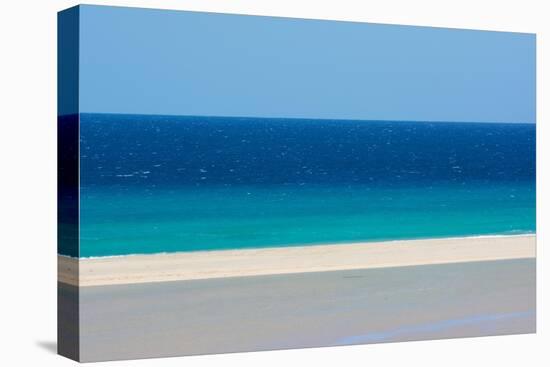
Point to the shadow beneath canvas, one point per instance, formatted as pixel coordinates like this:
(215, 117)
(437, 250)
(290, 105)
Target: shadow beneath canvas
(48, 345)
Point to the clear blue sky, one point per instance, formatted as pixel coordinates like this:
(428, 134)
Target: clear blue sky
(188, 63)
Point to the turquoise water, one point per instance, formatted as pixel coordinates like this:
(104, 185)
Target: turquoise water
(227, 218)
(152, 184)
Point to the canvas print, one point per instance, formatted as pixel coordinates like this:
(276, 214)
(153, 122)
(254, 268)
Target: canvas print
(232, 183)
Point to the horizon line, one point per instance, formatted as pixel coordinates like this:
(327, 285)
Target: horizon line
(301, 118)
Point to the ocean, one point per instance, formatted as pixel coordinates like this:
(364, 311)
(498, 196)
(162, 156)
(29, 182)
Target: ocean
(154, 184)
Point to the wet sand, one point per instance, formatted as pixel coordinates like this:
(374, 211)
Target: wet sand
(308, 309)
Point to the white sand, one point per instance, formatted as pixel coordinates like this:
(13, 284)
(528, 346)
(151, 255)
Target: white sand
(287, 260)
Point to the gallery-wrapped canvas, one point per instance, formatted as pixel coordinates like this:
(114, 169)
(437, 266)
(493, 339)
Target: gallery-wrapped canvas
(233, 183)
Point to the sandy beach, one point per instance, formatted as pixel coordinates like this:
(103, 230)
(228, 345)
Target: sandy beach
(302, 310)
(297, 297)
(289, 260)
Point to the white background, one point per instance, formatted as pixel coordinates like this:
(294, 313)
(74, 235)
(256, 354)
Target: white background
(28, 181)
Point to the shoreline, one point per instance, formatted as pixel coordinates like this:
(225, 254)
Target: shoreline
(314, 244)
(164, 267)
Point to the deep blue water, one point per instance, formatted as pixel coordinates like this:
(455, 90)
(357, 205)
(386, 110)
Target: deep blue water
(163, 183)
